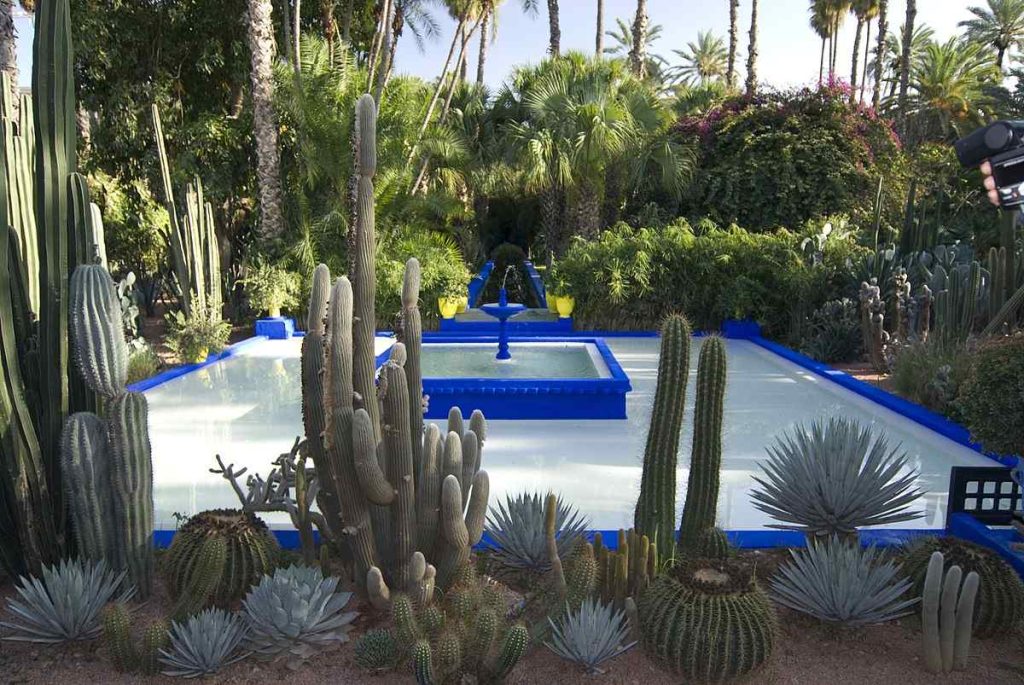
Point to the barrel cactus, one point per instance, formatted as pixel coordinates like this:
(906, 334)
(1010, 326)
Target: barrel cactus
(708, 620)
(999, 607)
(248, 551)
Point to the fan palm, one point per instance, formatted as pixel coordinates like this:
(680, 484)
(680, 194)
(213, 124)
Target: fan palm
(892, 64)
(622, 46)
(1000, 24)
(865, 11)
(948, 87)
(703, 61)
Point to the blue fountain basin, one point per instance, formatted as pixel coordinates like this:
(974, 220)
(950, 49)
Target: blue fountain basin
(502, 312)
(547, 378)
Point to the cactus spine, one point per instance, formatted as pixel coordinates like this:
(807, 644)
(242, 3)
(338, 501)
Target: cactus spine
(697, 533)
(117, 637)
(656, 506)
(947, 615)
(397, 498)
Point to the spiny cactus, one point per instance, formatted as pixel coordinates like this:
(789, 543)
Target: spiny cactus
(376, 650)
(656, 505)
(626, 571)
(1000, 600)
(155, 639)
(117, 637)
(947, 615)
(101, 353)
(708, 620)
(85, 457)
(698, 536)
(200, 574)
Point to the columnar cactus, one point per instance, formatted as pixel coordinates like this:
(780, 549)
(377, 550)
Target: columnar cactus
(698, 535)
(110, 477)
(627, 571)
(947, 615)
(656, 505)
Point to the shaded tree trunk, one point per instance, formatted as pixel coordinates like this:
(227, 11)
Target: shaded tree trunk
(599, 36)
(611, 209)
(905, 66)
(752, 56)
(346, 22)
(867, 58)
(855, 71)
(821, 65)
(260, 36)
(296, 36)
(588, 211)
(883, 29)
(734, 33)
(481, 60)
(554, 32)
(386, 42)
(438, 88)
(638, 54)
(330, 26)
(551, 221)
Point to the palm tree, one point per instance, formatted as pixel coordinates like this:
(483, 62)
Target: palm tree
(870, 10)
(260, 35)
(599, 36)
(703, 61)
(821, 26)
(622, 39)
(905, 66)
(554, 32)
(950, 86)
(860, 10)
(1001, 25)
(892, 64)
(734, 11)
(752, 55)
(489, 8)
(883, 35)
(638, 55)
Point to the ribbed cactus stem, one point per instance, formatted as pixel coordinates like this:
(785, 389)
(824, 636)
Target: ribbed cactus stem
(312, 369)
(394, 395)
(476, 511)
(947, 616)
(557, 574)
(965, 620)
(412, 337)
(454, 534)
(930, 613)
(117, 636)
(85, 459)
(363, 256)
(131, 477)
(101, 353)
(423, 663)
(428, 492)
(656, 505)
(377, 590)
(706, 457)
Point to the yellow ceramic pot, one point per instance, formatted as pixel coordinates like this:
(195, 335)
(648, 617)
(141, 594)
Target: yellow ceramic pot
(448, 307)
(274, 312)
(565, 305)
(552, 303)
(201, 356)
(463, 304)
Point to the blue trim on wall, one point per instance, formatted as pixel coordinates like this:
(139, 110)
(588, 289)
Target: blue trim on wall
(477, 283)
(536, 283)
(184, 369)
(520, 328)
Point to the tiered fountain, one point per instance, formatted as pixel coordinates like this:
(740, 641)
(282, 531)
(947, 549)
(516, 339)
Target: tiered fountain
(503, 311)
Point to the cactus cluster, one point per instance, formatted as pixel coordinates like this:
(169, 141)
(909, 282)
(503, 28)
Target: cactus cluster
(215, 557)
(627, 570)
(106, 461)
(947, 615)
(698, 535)
(466, 635)
(708, 621)
(126, 655)
(1000, 599)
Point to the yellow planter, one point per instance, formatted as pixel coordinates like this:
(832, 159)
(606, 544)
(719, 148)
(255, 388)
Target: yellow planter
(565, 305)
(463, 304)
(448, 306)
(274, 312)
(553, 303)
(201, 356)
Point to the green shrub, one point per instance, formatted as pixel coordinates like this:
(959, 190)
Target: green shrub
(197, 335)
(271, 288)
(632, 278)
(783, 158)
(143, 363)
(931, 375)
(832, 332)
(992, 398)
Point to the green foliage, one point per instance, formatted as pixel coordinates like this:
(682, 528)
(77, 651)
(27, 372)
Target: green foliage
(376, 650)
(294, 612)
(204, 644)
(271, 288)
(781, 159)
(65, 604)
(999, 606)
(633, 278)
(444, 273)
(590, 635)
(516, 528)
(835, 478)
(832, 332)
(843, 583)
(932, 375)
(143, 363)
(992, 398)
(134, 224)
(196, 335)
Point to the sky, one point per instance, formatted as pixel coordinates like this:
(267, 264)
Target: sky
(788, 48)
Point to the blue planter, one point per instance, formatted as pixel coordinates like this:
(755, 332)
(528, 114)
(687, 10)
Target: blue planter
(276, 328)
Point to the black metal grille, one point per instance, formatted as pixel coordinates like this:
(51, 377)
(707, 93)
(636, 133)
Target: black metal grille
(986, 492)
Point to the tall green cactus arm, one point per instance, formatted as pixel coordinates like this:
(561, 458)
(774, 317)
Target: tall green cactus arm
(470, 462)
(452, 459)
(176, 233)
(478, 424)
(706, 458)
(454, 533)
(319, 293)
(412, 338)
(455, 422)
(372, 480)
(85, 459)
(394, 398)
(100, 349)
(364, 251)
(428, 490)
(476, 512)
(656, 505)
(131, 478)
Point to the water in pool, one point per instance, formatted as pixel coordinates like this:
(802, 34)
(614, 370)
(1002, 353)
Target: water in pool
(553, 360)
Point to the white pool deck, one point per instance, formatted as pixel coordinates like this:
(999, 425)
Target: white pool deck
(247, 409)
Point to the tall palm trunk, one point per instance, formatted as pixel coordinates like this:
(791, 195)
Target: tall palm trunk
(384, 51)
(554, 32)
(867, 58)
(854, 71)
(8, 49)
(346, 22)
(734, 33)
(438, 88)
(588, 210)
(821, 63)
(296, 35)
(268, 159)
(883, 29)
(481, 60)
(1000, 54)
(752, 55)
(377, 43)
(551, 220)
(599, 37)
(906, 66)
(638, 53)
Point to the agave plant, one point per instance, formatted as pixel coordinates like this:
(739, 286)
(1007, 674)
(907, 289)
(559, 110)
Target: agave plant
(590, 635)
(844, 583)
(65, 604)
(835, 478)
(516, 531)
(206, 643)
(294, 612)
